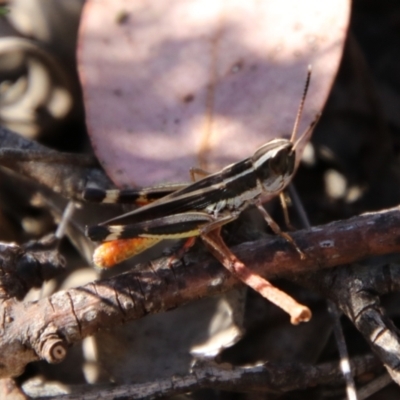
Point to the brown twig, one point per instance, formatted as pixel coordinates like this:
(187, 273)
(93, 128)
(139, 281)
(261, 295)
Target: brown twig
(28, 266)
(64, 173)
(355, 290)
(264, 377)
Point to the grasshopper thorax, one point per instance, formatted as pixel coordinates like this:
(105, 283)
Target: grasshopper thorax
(274, 164)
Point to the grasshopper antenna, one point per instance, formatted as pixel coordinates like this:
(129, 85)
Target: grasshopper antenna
(301, 106)
(307, 131)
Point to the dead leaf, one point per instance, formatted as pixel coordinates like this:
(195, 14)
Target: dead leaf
(172, 85)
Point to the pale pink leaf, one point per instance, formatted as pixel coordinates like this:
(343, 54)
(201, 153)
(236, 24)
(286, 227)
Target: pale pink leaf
(170, 85)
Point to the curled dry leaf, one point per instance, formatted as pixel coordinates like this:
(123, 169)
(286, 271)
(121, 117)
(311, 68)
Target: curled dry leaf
(172, 85)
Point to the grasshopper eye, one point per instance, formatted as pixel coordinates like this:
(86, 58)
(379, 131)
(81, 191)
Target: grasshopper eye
(282, 163)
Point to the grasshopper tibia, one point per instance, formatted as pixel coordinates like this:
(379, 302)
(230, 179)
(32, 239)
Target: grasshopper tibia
(298, 312)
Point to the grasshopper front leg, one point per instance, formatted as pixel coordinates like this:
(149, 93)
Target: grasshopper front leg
(277, 230)
(214, 242)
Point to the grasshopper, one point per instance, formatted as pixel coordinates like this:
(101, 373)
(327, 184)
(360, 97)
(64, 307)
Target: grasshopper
(202, 208)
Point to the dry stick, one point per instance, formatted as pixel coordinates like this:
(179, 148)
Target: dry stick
(337, 328)
(64, 173)
(65, 219)
(264, 377)
(357, 289)
(343, 352)
(374, 386)
(46, 156)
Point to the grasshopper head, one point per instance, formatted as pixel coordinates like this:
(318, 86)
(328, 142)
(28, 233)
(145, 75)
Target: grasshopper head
(274, 164)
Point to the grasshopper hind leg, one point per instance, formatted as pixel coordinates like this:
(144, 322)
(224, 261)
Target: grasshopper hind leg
(214, 242)
(108, 254)
(180, 250)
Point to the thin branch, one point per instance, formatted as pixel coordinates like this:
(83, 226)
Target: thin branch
(64, 173)
(333, 310)
(265, 377)
(355, 290)
(374, 386)
(343, 353)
